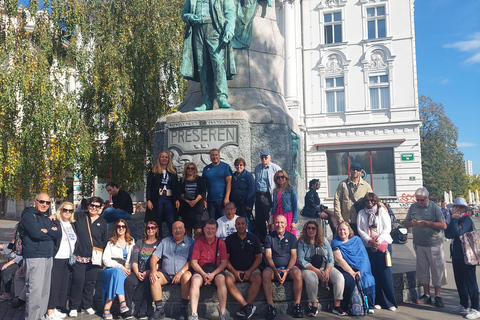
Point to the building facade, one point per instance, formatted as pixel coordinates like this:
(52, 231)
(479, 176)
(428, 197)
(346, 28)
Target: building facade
(467, 165)
(356, 92)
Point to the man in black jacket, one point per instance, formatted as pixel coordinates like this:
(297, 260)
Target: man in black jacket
(38, 235)
(122, 207)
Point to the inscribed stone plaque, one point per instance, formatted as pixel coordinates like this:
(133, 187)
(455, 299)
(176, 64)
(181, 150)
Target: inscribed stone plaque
(197, 139)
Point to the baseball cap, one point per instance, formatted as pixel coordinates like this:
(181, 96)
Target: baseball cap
(264, 152)
(356, 165)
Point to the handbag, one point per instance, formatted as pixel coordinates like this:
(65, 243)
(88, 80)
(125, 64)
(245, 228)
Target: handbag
(210, 266)
(97, 253)
(471, 247)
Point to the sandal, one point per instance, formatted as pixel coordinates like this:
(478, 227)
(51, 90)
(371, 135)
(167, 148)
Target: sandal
(124, 308)
(107, 315)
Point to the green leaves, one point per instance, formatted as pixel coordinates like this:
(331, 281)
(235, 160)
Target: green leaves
(441, 160)
(122, 58)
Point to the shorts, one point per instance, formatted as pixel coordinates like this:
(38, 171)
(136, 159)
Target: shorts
(431, 259)
(289, 278)
(228, 273)
(165, 274)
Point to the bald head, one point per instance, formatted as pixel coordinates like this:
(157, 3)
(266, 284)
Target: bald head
(178, 230)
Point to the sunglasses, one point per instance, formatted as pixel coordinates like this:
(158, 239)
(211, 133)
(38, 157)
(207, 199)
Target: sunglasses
(311, 228)
(151, 228)
(121, 226)
(369, 200)
(43, 202)
(264, 157)
(64, 210)
(280, 177)
(190, 168)
(95, 206)
(356, 169)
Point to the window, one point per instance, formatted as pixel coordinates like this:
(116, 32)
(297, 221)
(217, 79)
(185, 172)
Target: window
(333, 27)
(335, 92)
(376, 22)
(379, 92)
(378, 169)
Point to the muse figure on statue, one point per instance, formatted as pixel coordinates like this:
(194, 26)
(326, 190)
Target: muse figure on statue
(207, 51)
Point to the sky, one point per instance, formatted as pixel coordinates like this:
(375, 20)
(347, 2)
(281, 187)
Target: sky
(448, 65)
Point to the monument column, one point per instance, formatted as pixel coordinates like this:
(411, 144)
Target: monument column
(291, 98)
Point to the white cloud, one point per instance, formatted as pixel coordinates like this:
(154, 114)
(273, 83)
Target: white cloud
(445, 81)
(471, 46)
(466, 144)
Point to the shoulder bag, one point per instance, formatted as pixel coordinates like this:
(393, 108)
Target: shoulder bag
(471, 246)
(97, 253)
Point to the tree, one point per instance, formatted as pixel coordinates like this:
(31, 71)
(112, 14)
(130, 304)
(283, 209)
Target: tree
(124, 54)
(441, 160)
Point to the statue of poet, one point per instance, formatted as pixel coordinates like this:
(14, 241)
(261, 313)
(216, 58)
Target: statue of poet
(207, 51)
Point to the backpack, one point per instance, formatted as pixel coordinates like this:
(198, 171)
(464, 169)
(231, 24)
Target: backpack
(17, 239)
(399, 233)
(357, 305)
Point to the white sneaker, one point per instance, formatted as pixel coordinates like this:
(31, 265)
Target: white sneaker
(73, 314)
(50, 317)
(474, 314)
(90, 311)
(59, 315)
(465, 312)
(458, 309)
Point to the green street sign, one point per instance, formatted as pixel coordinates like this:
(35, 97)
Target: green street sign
(407, 156)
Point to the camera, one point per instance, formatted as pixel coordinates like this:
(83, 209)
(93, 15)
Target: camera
(323, 208)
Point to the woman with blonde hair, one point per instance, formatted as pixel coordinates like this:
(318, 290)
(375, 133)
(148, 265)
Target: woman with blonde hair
(162, 192)
(284, 201)
(62, 252)
(116, 258)
(192, 194)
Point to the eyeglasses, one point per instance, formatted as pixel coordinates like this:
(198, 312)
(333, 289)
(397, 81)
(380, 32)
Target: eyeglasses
(190, 168)
(311, 228)
(121, 226)
(43, 202)
(264, 157)
(239, 165)
(151, 228)
(65, 210)
(421, 200)
(280, 177)
(356, 169)
(95, 206)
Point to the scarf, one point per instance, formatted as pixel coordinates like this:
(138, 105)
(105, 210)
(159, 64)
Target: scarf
(355, 254)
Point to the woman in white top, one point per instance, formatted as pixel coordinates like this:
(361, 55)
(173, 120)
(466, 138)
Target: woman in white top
(374, 227)
(116, 258)
(64, 248)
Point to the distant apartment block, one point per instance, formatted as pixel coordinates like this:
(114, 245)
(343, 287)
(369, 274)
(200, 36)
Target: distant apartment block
(467, 165)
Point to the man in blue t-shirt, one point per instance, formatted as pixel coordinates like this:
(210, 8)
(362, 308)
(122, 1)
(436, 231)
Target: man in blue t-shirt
(218, 178)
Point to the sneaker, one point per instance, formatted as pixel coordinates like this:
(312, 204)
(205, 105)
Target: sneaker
(312, 311)
(142, 316)
(297, 311)
(17, 303)
(159, 313)
(474, 314)
(459, 309)
(222, 316)
(6, 296)
(249, 310)
(378, 307)
(338, 311)
(424, 300)
(371, 311)
(439, 302)
(392, 308)
(50, 317)
(240, 312)
(89, 311)
(271, 313)
(465, 312)
(73, 314)
(127, 315)
(193, 316)
(59, 314)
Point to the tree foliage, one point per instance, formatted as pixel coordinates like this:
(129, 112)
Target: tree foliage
(441, 160)
(125, 57)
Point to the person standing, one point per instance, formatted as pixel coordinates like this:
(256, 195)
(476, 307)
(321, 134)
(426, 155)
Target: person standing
(465, 275)
(162, 192)
(427, 221)
(192, 194)
(91, 229)
(285, 201)
(264, 184)
(218, 177)
(348, 193)
(243, 191)
(39, 234)
(122, 207)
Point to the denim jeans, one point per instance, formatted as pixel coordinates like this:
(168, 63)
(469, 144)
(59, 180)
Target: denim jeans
(215, 209)
(111, 215)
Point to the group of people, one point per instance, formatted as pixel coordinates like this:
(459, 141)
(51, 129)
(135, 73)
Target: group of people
(223, 252)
